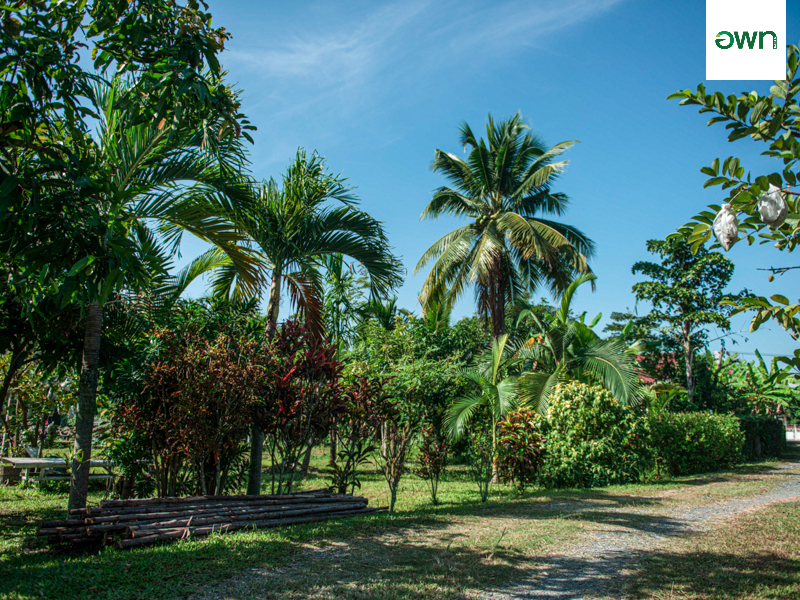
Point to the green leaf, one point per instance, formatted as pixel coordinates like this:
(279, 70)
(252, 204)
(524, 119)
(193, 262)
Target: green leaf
(715, 181)
(81, 264)
(778, 92)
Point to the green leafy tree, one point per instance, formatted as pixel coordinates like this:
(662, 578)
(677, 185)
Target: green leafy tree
(149, 169)
(421, 382)
(384, 312)
(433, 454)
(563, 348)
(64, 231)
(685, 290)
(774, 120)
(344, 290)
(508, 249)
(641, 328)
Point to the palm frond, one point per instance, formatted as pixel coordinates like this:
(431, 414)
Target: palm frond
(460, 414)
(615, 370)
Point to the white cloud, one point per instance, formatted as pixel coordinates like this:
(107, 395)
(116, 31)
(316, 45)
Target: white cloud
(333, 55)
(417, 34)
(335, 68)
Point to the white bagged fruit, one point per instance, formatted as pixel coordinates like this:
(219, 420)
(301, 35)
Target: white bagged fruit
(725, 227)
(772, 207)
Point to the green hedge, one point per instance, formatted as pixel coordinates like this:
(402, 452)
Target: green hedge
(591, 439)
(764, 437)
(695, 442)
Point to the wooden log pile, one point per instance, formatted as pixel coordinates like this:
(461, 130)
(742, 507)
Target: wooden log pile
(130, 523)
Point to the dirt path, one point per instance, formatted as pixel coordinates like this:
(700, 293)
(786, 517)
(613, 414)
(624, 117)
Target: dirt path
(596, 567)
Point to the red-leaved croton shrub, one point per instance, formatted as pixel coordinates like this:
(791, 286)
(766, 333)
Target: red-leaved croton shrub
(196, 403)
(520, 448)
(300, 399)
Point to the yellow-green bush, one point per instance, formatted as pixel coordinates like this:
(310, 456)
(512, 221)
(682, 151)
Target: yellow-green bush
(592, 439)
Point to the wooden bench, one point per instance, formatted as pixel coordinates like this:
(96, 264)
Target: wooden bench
(43, 465)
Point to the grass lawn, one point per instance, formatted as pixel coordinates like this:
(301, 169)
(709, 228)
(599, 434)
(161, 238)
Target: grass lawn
(757, 556)
(421, 551)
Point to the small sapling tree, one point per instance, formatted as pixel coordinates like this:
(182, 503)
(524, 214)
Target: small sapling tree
(433, 454)
(358, 427)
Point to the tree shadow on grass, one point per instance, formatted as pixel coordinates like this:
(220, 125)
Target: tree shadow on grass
(541, 505)
(336, 555)
(664, 575)
(716, 575)
(385, 567)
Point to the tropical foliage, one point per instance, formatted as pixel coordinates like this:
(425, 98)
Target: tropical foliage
(494, 393)
(686, 290)
(521, 448)
(434, 450)
(694, 442)
(567, 349)
(105, 165)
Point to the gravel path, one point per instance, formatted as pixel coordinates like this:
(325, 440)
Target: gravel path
(596, 566)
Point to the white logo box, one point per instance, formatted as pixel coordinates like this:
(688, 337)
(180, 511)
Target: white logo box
(746, 21)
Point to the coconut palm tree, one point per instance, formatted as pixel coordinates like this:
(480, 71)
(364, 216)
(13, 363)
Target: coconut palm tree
(292, 228)
(495, 388)
(503, 188)
(566, 349)
(165, 179)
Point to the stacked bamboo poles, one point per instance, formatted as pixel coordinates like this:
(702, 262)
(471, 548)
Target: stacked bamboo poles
(129, 523)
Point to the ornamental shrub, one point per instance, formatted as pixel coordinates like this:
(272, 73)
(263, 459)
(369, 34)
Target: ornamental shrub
(695, 442)
(433, 453)
(592, 439)
(520, 448)
(764, 437)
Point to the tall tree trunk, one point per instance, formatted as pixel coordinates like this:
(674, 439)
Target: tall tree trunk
(256, 455)
(498, 317)
(5, 428)
(495, 470)
(687, 349)
(17, 357)
(497, 298)
(15, 442)
(256, 435)
(307, 457)
(333, 447)
(87, 396)
(274, 302)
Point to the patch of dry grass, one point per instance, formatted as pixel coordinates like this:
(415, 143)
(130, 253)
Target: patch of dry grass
(755, 557)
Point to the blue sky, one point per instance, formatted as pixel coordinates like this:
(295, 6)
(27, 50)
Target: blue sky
(377, 87)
